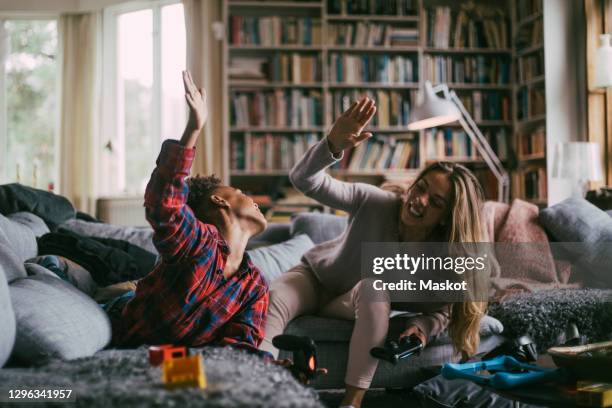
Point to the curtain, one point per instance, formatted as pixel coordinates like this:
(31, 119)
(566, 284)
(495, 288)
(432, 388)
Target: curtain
(204, 60)
(80, 40)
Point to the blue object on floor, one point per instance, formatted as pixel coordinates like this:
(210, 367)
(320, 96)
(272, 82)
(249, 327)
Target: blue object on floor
(506, 375)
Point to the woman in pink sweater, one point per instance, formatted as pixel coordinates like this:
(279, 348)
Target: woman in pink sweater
(443, 204)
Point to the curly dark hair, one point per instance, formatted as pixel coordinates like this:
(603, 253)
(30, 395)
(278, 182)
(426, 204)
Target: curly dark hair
(200, 188)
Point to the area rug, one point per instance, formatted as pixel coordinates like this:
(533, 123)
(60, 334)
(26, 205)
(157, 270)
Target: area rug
(124, 378)
(544, 315)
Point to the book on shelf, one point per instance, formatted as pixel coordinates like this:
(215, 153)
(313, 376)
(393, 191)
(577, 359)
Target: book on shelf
(531, 35)
(365, 34)
(269, 152)
(294, 67)
(467, 69)
(534, 183)
(379, 68)
(455, 144)
(478, 27)
(489, 183)
(530, 66)
(386, 153)
(533, 143)
(358, 7)
(274, 30)
(526, 8)
(278, 108)
(392, 106)
(531, 102)
(486, 105)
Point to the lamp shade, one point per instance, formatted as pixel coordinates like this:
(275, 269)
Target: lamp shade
(578, 160)
(603, 62)
(433, 111)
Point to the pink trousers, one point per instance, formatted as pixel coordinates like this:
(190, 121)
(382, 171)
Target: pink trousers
(298, 292)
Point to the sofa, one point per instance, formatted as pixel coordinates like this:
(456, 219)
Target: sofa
(44, 317)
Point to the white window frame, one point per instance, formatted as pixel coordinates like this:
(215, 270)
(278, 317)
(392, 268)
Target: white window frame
(3, 105)
(112, 108)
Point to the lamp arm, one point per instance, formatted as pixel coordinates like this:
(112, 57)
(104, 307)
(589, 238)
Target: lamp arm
(481, 143)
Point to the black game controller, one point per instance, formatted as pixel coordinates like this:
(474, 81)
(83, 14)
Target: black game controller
(393, 351)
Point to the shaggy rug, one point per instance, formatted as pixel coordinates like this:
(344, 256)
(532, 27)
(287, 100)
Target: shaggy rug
(124, 378)
(544, 315)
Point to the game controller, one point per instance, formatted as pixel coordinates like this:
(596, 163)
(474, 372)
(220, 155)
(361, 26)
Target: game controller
(394, 351)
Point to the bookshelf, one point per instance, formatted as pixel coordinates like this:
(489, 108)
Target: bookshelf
(314, 57)
(529, 179)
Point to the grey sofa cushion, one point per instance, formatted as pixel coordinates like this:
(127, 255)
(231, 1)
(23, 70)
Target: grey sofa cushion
(273, 260)
(575, 220)
(276, 233)
(7, 320)
(55, 319)
(32, 221)
(319, 227)
(328, 329)
(19, 236)
(140, 236)
(13, 266)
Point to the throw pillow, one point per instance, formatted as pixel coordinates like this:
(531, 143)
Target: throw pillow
(56, 320)
(319, 227)
(139, 236)
(20, 237)
(13, 266)
(7, 320)
(32, 221)
(585, 232)
(273, 260)
(65, 269)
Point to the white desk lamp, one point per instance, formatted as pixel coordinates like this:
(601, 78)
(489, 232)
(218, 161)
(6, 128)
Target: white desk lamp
(437, 111)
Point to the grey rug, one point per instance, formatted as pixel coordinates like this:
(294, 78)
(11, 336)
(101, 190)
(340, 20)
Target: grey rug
(124, 378)
(543, 315)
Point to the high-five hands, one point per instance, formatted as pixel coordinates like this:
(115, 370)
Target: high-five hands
(196, 99)
(347, 130)
(198, 111)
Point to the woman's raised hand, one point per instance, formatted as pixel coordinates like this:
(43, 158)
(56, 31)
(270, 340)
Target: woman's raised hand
(347, 130)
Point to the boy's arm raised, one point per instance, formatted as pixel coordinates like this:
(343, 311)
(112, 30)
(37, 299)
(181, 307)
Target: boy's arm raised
(308, 175)
(177, 232)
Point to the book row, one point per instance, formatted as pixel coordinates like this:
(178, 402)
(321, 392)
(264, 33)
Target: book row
(387, 7)
(371, 34)
(533, 143)
(293, 67)
(530, 36)
(381, 154)
(392, 107)
(268, 151)
(448, 143)
(277, 108)
(486, 105)
(467, 69)
(530, 66)
(477, 28)
(350, 68)
(531, 102)
(274, 30)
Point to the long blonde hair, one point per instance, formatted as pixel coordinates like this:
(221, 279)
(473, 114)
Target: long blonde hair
(464, 224)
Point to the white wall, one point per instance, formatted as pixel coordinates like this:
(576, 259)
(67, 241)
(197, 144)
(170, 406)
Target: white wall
(565, 70)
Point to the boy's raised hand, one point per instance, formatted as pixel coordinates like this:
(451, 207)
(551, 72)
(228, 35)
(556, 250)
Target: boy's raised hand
(347, 130)
(196, 99)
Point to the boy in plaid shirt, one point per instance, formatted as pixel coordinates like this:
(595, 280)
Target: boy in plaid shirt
(205, 290)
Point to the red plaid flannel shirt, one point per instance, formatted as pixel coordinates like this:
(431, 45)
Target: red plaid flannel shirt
(186, 300)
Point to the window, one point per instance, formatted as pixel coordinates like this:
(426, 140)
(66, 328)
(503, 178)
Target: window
(28, 101)
(145, 53)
